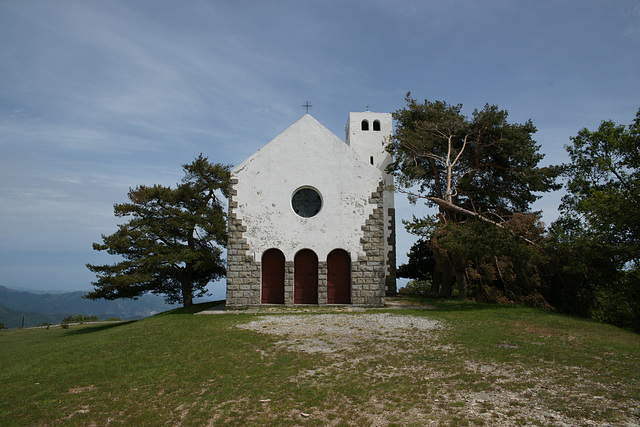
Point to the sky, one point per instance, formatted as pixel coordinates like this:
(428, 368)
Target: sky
(100, 96)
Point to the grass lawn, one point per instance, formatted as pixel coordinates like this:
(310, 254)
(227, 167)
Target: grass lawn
(486, 365)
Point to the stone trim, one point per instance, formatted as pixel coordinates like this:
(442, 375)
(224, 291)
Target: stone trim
(368, 271)
(288, 283)
(322, 282)
(242, 271)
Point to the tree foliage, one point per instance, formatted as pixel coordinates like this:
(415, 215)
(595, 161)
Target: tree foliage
(482, 164)
(421, 262)
(173, 241)
(481, 172)
(600, 217)
(498, 265)
(604, 183)
(576, 265)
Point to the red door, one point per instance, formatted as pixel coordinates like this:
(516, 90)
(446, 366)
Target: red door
(338, 277)
(305, 274)
(273, 277)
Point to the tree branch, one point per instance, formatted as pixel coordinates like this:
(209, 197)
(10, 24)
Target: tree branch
(455, 208)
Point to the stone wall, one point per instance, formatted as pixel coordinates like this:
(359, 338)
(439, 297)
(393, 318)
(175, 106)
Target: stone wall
(288, 283)
(243, 273)
(322, 282)
(368, 271)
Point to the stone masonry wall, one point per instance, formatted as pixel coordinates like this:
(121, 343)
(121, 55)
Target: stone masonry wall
(288, 283)
(242, 271)
(368, 271)
(322, 282)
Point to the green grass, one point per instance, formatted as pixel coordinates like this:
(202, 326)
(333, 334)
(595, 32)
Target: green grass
(177, 368)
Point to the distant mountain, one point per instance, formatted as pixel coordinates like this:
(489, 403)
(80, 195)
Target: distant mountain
(11, 318)
(34, 306)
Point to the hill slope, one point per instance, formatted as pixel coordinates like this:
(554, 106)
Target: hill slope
(57, 306)
(478, 365)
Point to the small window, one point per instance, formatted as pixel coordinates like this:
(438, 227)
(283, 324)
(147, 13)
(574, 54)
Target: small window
(365, 125)
(371, 159)
(376, 125)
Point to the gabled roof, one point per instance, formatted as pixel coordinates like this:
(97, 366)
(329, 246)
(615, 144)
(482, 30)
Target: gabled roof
(306, 137)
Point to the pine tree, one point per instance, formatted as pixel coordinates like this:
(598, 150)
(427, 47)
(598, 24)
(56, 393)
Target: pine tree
(174, 240)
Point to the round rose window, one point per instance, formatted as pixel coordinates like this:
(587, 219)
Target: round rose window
(306, 202)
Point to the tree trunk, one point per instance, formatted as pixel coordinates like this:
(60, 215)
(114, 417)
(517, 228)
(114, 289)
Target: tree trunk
(187, 286)
(187, 299)
(436, 281)
(447, 282)
(461, 279)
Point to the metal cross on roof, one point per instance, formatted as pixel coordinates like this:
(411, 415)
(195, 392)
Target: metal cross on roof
(307, 106)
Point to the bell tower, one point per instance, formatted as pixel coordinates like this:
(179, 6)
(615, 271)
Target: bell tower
(368, 133)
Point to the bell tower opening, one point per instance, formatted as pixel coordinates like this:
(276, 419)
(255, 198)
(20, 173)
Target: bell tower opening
(370, 146)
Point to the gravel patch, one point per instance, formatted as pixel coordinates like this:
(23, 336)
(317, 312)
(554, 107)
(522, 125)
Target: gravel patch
(330, 333)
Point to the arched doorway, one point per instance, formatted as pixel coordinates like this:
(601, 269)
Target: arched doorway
(305, 279)
(273, 277)
(338, 277)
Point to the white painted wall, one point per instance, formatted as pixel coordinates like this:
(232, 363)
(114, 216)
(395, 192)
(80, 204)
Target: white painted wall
(306, 154)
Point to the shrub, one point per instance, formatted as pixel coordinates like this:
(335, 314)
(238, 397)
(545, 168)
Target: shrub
(79, 318)
(417, 287)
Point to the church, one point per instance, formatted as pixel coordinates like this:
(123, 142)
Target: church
(311, 218)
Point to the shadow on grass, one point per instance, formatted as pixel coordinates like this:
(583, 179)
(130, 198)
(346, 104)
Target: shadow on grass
(195, 308)
(88, 329)
(456, 305)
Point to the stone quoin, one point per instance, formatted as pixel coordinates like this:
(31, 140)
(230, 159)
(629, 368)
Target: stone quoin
(311, 217)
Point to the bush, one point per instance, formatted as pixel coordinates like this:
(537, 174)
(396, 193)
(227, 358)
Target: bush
(79, 318)
(420, 288)
(613, 306)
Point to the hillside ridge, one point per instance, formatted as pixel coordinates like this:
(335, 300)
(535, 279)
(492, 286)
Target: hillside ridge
(53, 307)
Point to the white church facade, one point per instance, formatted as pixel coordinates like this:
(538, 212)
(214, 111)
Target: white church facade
(311, 217)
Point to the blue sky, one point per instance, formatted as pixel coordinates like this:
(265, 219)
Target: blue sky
(100, 96)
